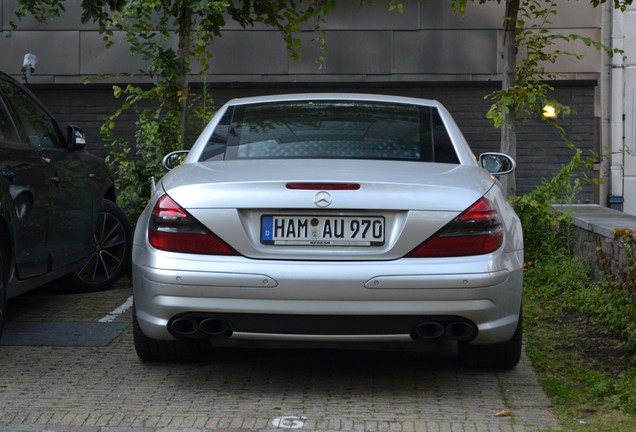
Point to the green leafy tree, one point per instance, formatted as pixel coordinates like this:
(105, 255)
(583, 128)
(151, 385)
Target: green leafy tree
(524, 88)
(151, 27)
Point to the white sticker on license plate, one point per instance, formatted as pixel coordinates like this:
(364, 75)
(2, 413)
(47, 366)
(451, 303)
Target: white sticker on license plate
(322, 230)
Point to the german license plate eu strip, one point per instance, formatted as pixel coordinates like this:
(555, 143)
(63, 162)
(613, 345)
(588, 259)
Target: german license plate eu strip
(299, 230)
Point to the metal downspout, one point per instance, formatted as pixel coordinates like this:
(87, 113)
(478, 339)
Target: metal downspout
(617, 155)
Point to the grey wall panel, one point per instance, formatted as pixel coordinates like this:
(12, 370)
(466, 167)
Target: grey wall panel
(97, 59)
(69, 20)
(437, 14)
(592, 60)
(348, 52)
(249, 52)
(57, 53)
(350, 15)
(575, 14)
(428, 42)
(445, 52)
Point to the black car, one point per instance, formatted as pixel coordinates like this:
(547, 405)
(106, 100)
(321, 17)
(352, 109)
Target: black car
(58, 218)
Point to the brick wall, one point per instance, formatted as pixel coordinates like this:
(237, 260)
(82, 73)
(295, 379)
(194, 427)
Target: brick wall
(540, 149)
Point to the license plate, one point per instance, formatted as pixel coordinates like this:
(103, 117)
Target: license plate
(322, 230)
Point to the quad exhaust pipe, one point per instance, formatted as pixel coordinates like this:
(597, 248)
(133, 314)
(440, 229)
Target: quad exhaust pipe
(213, 327)
(429, 330)
(184, 326)
(454, 330)
(193, 327)
(188, 327)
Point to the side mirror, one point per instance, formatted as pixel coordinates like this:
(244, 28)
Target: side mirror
(76, 138)
(174, 159)
(497, 163)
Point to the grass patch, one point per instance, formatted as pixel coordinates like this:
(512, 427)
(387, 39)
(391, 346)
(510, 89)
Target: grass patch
(576, 335)
(581, 334)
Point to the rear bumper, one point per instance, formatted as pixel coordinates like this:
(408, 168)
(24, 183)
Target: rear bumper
(327, 301)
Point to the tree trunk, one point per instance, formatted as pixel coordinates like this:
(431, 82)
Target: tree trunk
(508, 143)
(185, 43)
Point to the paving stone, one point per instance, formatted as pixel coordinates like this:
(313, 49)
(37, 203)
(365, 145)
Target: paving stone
(108, 389)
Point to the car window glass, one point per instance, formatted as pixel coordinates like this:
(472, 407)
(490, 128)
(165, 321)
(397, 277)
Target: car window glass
(39, 127)
(335, 130)
(215, 148)
(7, 131)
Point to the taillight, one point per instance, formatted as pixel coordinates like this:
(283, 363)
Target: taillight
(173, 229)
(476, 231)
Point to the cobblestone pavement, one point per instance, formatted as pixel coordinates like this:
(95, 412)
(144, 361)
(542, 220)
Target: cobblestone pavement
(107, 389)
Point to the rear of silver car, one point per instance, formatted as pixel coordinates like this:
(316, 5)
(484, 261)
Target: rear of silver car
(328, 250)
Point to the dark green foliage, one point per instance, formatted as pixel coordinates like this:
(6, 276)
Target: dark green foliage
(581, 332)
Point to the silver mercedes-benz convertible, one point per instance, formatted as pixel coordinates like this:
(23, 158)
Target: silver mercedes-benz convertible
(346, 220)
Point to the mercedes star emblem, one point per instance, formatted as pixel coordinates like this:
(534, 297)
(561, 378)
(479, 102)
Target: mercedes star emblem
(322, 199)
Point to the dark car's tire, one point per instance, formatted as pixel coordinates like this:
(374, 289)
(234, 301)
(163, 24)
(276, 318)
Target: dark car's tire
(4, 274)
(110, 252)
(502, 356)
(153, 350)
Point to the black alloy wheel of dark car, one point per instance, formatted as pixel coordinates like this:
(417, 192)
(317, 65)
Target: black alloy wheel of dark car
(110, 252)
(3, 294)
(4, 277)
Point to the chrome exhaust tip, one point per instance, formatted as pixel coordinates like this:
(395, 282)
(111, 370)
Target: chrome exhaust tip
(214, 327)
(429, 330)
(460, 330)
(184, 326)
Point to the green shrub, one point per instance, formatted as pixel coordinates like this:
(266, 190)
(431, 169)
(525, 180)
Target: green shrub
(564, 306)
(157, 133)
(538, 217)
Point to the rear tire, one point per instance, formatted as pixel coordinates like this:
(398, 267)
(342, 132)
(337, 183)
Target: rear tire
(152, 350)
(4, 274)
(502, 356)
(110, 252)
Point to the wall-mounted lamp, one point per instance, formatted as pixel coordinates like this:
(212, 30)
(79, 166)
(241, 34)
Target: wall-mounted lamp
(28, 66)
(549, 112)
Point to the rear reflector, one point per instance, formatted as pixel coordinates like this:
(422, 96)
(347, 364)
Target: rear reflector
(323, 186)
(477, 231)
(173, 229)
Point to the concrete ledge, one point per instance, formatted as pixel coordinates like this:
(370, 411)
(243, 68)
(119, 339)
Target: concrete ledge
(594, 241)
(599, 220)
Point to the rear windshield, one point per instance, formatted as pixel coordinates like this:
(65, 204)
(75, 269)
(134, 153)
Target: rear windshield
(331, 130)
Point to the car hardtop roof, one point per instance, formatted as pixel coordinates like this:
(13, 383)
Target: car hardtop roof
(8, 77)
(334, 96)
